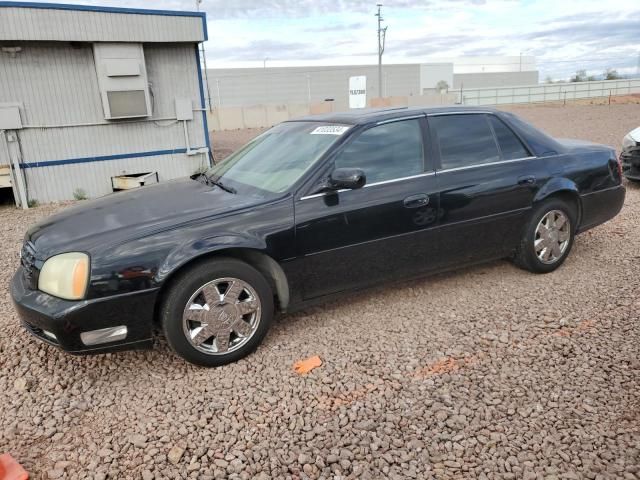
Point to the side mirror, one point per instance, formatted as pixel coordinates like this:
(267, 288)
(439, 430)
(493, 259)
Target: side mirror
(347, 178)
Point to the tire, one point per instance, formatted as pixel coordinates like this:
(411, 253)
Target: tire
(217, 312)
(527, 256)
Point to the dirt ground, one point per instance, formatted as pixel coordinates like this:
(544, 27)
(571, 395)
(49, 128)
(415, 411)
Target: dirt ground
(488, 372)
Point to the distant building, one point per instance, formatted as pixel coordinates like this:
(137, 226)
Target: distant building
(89, 93)
(239, 87)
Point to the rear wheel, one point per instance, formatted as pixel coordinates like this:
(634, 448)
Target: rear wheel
(217, 312)
(548, 237)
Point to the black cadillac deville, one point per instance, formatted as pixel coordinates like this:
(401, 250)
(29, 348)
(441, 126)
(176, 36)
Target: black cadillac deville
(310, 209)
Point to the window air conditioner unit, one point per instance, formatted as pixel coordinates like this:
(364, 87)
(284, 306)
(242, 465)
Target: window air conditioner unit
(122, 80)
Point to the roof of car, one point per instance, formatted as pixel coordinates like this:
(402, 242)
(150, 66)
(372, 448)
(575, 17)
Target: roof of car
(371, 115)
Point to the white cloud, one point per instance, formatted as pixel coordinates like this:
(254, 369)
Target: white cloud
(563, 35)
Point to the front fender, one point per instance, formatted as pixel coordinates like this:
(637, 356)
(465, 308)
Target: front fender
(186, 252)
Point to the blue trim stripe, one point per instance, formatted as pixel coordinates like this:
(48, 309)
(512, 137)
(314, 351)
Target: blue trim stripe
(92, 8)
(55, 163)
(203, 104)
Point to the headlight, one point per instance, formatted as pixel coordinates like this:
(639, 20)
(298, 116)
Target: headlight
(628, 142)
(632, 138)
(65, 276)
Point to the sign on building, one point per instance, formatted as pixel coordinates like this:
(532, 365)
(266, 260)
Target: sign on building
(358, 92)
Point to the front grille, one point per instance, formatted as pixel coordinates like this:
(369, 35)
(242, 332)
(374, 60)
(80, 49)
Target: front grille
(28, 261)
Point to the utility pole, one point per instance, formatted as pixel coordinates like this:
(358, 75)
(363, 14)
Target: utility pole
(638, 66)
(204, 61)
(382, 37)
(521, 60)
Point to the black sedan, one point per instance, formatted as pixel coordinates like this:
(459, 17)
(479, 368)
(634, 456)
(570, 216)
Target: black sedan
(310, 209)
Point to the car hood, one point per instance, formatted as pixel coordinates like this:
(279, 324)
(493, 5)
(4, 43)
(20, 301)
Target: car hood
(118, 217)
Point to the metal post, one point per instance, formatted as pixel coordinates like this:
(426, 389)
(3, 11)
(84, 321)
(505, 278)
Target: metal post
(206, 77)
(520, 61)
(218, 88)
(382, 36)
(17, 171)
(385, 91)
(309, 88)
(204, 64)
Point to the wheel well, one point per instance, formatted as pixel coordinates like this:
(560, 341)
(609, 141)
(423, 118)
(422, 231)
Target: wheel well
(262, 262)
(572, 199)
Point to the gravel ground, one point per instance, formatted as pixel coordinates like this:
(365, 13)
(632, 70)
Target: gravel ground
(487, 372)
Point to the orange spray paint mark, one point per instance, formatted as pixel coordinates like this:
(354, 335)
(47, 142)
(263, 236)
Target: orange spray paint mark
(10, 469)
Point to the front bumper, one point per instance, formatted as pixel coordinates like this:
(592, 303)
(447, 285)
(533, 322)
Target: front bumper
(630, 158)
(62, 322)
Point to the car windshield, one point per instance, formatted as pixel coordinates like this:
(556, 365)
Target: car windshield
(278, 158)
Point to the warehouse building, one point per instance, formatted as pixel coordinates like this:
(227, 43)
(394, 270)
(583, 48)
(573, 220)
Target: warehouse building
(94, 99)
(241, 87)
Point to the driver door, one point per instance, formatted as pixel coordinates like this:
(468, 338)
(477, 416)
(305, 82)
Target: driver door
(385, 230)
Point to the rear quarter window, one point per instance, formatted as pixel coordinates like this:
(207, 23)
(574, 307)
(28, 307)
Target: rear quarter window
(510, 145)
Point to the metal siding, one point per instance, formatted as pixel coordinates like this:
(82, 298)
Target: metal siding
(57, 85)
(39, 24)
(56, 183)
(166, 67)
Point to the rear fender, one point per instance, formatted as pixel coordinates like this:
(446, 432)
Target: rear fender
(555, 185)
(560, 185)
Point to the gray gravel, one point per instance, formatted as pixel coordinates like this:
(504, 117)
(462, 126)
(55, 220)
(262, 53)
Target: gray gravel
(487, 372)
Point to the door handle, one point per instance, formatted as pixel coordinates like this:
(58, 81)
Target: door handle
(417, 201)
(526, 180)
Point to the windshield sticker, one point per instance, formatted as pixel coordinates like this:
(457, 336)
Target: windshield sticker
(330, 130)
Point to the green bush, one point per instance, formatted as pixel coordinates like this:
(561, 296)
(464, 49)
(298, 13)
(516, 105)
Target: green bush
(79, 194)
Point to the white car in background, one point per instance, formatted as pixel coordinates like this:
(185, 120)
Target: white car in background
(630, 156)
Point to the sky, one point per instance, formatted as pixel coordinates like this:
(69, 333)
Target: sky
(563, 35)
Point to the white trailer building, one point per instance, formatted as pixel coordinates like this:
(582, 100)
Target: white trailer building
(91, 93)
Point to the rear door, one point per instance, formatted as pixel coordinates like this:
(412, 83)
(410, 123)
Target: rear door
(353, 238)
(487, 180)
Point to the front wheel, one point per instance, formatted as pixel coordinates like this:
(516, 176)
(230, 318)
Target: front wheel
(548, 237)
(217, 312)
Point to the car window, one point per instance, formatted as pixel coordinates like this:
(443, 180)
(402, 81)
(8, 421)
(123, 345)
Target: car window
(510, 145)
(275, 160)
(464, 140)
(386, 152)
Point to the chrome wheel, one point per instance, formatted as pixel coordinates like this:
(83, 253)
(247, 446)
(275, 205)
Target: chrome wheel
(221, 316)
(553, 235)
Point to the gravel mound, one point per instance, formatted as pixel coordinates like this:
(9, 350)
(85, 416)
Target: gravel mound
(487, 372)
